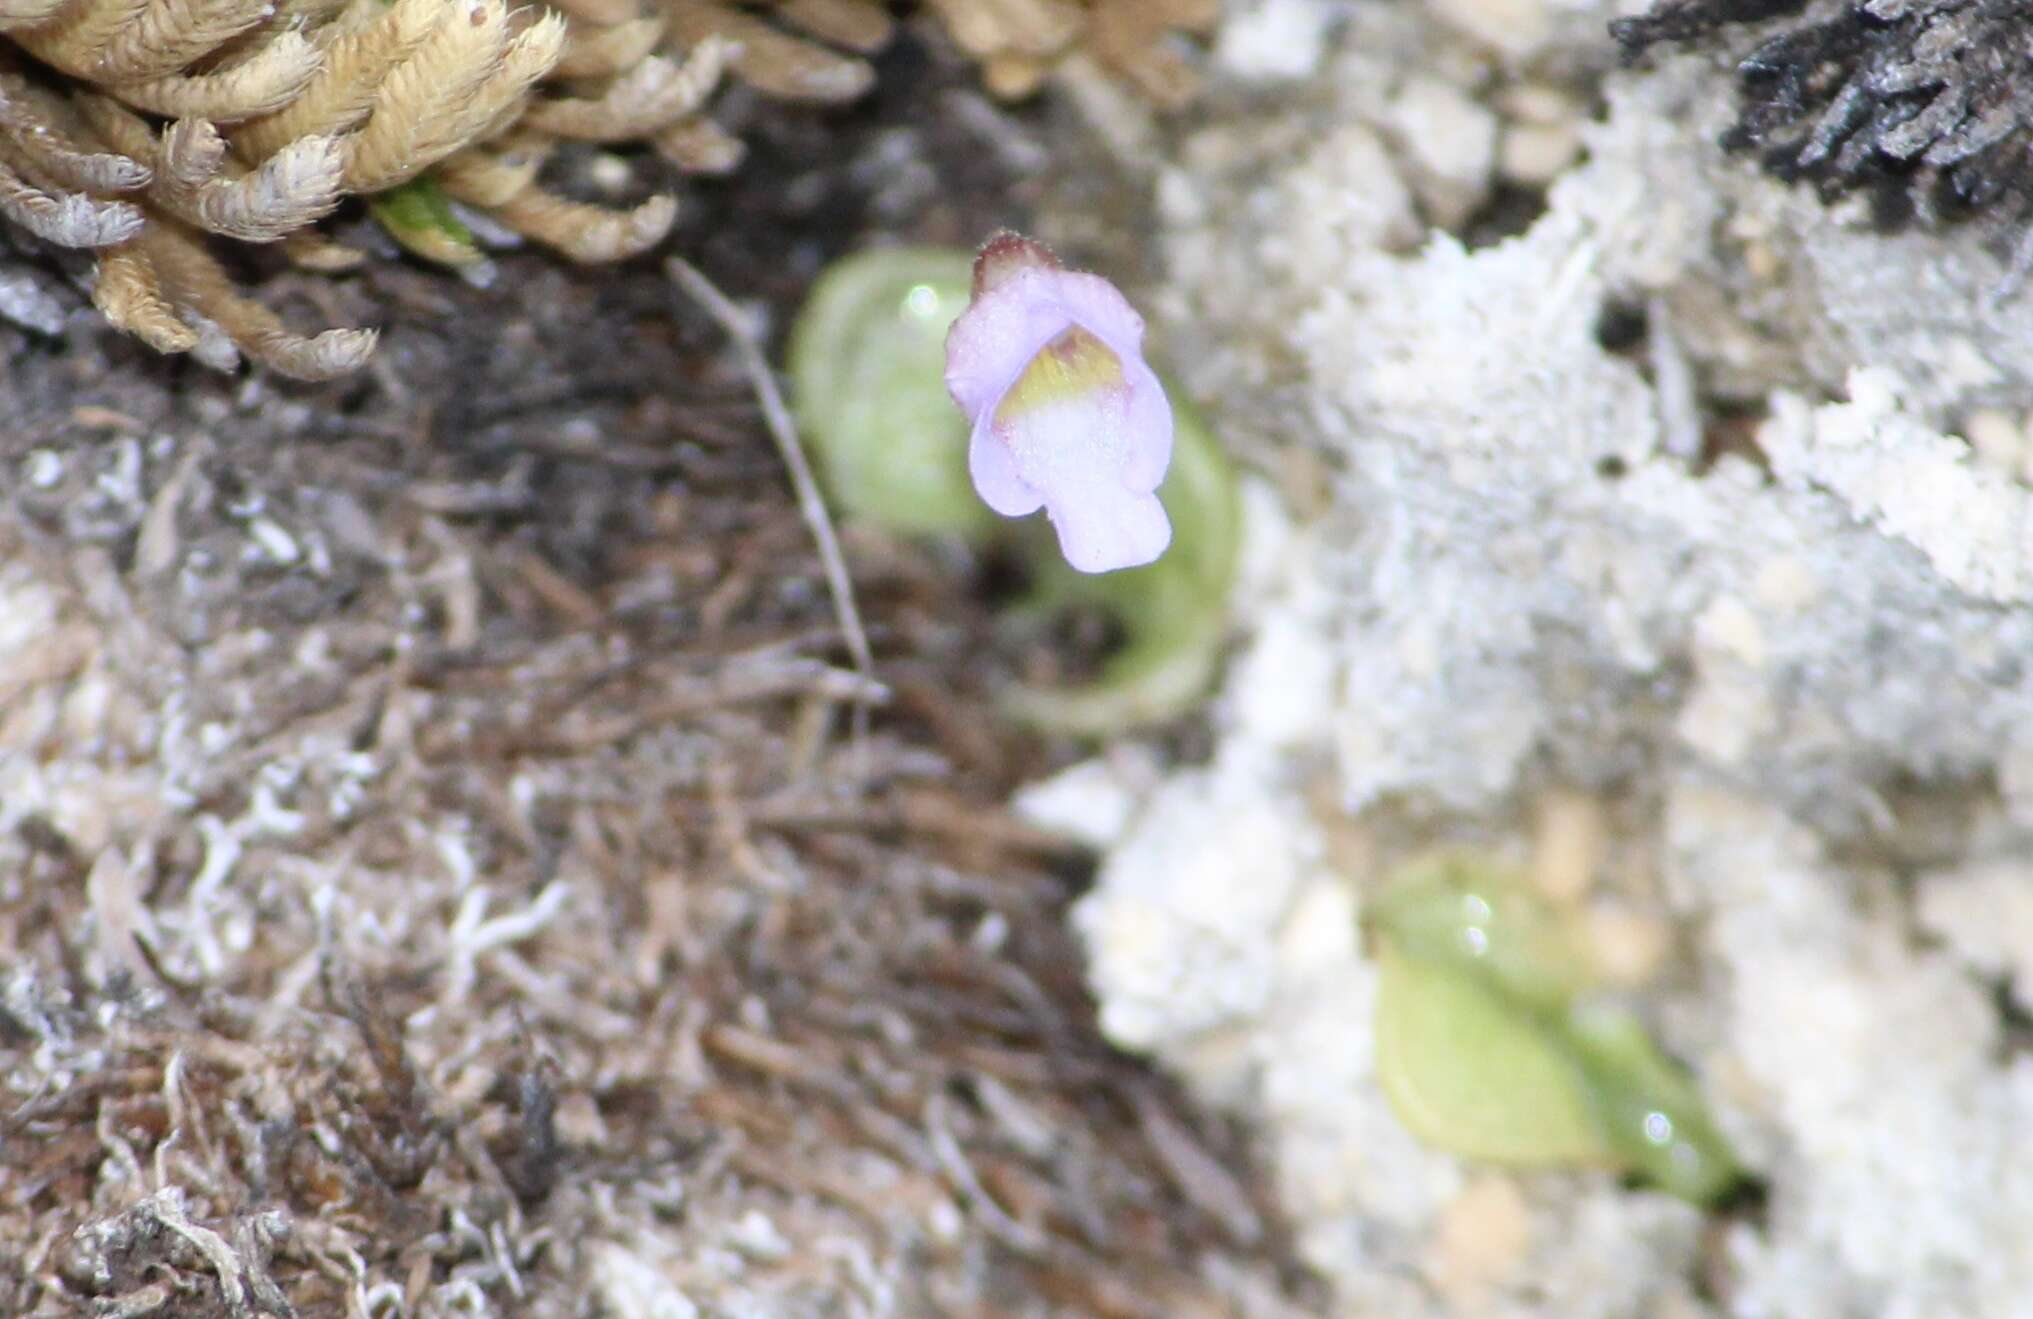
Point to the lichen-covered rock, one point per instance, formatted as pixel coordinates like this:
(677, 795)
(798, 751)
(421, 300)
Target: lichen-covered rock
(1736, 574)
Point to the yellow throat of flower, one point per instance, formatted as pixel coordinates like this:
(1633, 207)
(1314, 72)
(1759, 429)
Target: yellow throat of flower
(1071, 366)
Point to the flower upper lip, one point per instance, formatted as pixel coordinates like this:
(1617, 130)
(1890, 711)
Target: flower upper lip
(1045, 317)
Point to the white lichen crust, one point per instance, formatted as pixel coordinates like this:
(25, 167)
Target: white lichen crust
(1759, 578)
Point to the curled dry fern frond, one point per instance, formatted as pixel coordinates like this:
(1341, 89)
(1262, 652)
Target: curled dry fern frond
(1019, 41)
(171, 121)
(140, 130)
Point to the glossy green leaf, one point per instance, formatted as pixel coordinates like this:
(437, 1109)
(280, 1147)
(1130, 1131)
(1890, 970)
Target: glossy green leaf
(1488, 1049)
(1470, 1074)
(1467, 913)
(868, 380)
(1651, 1109)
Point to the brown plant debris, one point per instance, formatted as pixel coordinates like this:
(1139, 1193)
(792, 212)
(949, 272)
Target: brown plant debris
(435, 877)
(1018, 41)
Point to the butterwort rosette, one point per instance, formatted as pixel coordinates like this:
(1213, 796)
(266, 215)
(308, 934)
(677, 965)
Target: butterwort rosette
(1048, 365)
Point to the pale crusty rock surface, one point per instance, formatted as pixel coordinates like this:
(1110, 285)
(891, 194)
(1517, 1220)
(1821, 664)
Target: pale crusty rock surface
(1745, 581)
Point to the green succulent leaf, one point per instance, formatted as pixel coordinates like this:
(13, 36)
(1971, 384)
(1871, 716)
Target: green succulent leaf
(1487, 1048)
(868, 380)
(1651, 1109)
(1462, 912)
(1470, 1074)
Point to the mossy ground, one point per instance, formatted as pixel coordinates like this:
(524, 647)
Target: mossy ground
(437, 875)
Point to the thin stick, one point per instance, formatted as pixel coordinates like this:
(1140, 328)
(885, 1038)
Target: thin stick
(810, 502)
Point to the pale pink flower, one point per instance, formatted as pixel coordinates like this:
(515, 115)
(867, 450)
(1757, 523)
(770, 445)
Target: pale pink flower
(1048, 365)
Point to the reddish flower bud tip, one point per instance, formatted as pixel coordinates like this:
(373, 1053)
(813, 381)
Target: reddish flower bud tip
(1005, 255)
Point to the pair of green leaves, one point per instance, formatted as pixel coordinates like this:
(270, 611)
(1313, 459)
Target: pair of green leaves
(1489, 1047)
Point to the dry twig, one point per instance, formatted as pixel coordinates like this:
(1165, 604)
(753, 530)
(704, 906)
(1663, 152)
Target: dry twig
(811, 504)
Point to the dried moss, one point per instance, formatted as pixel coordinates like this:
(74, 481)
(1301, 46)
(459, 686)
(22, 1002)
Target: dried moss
(430, 868)
(139, 134)
(489, 703)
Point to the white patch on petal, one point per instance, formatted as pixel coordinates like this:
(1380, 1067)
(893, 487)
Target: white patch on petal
(1069, 444)
(1075, 453)
(1123, 531)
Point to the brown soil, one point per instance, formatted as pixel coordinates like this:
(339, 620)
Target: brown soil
(435, 877)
